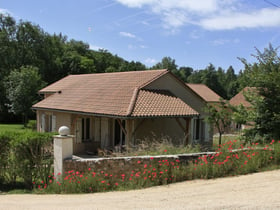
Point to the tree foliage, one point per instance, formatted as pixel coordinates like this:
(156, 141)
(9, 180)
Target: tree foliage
(265, 76)
(220, 116)
(22, 86)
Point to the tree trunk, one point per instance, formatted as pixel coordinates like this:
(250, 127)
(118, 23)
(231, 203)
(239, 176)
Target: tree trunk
(220, 138)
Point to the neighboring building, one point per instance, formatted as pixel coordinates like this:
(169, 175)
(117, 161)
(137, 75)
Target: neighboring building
(109, 109)
(239, 99)
(208, 95)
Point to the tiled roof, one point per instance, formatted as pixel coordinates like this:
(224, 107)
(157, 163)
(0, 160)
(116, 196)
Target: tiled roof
(104, 93)
(160, 103)
(240, 99)
(205, 92)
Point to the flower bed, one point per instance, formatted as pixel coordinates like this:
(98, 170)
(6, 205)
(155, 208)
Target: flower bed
(139, 172)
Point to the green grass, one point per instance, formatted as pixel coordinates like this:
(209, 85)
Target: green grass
(12, 128)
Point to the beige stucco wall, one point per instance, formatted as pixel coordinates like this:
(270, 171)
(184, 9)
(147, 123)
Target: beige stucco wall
(61, 119)
(160, 129)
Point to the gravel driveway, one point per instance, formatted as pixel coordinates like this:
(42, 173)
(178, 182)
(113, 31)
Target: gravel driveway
(254, 191)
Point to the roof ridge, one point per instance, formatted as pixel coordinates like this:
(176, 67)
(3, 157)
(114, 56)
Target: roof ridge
(164, 71)
(132, 101)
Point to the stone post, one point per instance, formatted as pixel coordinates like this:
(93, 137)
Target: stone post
(63, 148)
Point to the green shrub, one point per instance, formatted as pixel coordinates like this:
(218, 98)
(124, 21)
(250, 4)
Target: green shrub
(5, 138)
(30, 156)
(32, 124)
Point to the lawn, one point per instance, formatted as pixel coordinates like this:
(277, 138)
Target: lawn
(11, 127)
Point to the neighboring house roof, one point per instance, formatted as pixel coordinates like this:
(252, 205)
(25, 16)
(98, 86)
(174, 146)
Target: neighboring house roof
(240, 99)
(205, 92)
(119, 94)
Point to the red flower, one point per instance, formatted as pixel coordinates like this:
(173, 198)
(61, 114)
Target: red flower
(138, 161)
(151, 158)
(89, 169)
(165, 150)
(116, 183)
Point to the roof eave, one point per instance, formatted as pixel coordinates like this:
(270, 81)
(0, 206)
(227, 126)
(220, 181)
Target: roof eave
(115, 116)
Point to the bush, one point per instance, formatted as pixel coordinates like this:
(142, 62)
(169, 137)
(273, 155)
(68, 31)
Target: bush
(31, 152)
(25, 156)
(5, 139)
(32, 124)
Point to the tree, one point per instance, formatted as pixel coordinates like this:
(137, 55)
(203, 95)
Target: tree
(22, 86)
(265, 76)
(166, 63)
(220, 116)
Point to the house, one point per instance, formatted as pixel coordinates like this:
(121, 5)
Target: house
(239, 99)
(209, 96)
(106, 110)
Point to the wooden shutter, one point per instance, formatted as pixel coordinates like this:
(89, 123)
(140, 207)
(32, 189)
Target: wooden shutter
(53, 123)
(43, 122)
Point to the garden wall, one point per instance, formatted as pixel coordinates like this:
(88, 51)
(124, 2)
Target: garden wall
(123, 163)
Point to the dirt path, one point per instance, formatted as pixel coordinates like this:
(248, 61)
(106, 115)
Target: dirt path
(255, 191)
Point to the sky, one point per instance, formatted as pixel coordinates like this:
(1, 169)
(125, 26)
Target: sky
(194, 33)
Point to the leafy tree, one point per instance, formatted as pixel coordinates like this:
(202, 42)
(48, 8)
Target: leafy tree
(22, 86)
(166, 63)
(265, 76)
(220, 116)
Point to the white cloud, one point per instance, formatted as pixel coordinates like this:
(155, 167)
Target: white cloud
(5, 11)
(143, 46)
(255, 19)
(218, 42)
(150, 61)
(195, 34)
(208, 14)
(126, 34)
(94, 47)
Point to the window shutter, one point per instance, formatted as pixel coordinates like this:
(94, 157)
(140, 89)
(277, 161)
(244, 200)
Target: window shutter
(79, 131)
(53, 123)
(43, 122)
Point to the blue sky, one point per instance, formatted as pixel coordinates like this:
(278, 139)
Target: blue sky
(193, 32)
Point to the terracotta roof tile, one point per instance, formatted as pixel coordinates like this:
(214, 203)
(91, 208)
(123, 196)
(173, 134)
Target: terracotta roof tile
(112, 94)
(205, 92)
(160, 103)
(240, 99)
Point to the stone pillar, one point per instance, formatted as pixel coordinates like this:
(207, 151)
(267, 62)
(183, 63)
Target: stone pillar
(63, 148)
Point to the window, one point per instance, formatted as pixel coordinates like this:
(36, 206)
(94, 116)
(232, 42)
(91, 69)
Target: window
(48, 123)
(86, 129)
(199, 129)
(83, 131)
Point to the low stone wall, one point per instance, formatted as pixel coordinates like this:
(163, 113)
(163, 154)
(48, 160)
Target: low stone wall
(120, 164)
